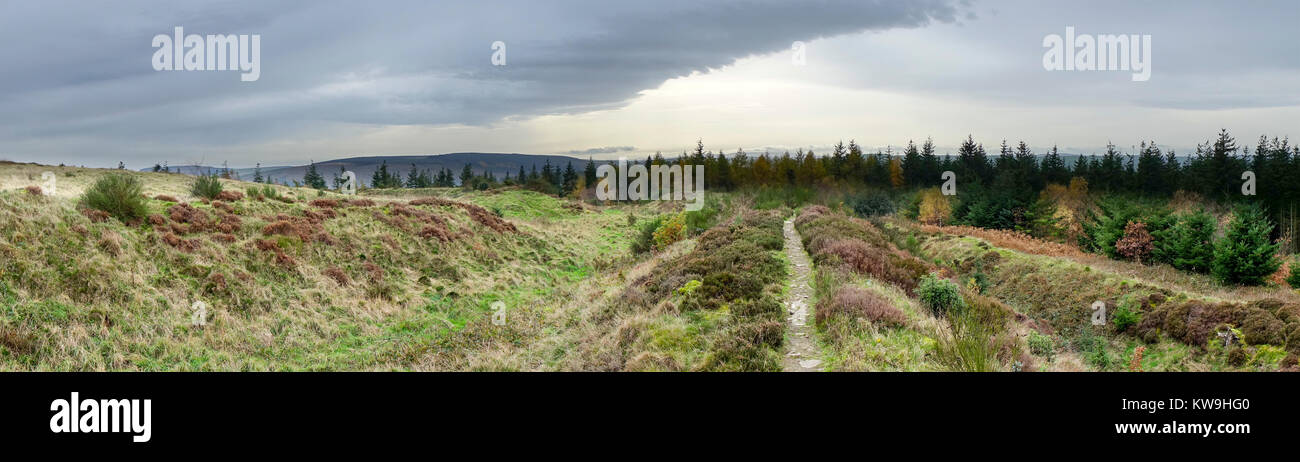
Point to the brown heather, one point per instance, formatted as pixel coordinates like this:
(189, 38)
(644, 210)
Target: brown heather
(856, 302)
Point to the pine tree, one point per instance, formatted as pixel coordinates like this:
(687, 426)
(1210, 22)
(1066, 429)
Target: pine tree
(257, 173)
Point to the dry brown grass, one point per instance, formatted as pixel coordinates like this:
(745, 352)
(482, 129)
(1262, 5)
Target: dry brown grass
(1008, 239)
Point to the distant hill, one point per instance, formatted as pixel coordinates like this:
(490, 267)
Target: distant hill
(364, 167)
(480, 162)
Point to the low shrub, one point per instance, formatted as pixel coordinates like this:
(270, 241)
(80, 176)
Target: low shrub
(206, 186)
(1125, 317)
(1293, 277)
(1260, 327)
(871, 204)
(645, 238)
(120, 196)
(939, 295)
(1135, 244)
(670, 231)
(1041, 345)
(988, 310)
(834, 239)
(857, 302)
(1093, 350)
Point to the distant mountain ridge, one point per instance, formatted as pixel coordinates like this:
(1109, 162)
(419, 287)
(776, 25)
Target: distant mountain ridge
(497, 164)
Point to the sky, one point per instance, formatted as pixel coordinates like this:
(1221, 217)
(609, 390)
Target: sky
(607, 79)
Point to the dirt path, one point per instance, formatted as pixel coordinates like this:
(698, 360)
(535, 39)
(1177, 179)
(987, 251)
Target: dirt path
(801, 350)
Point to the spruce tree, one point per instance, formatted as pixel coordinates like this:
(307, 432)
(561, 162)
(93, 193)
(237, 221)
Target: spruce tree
(1188, 244)
(912, 165)
(570, 180)
(589, 173)
(1053, 168)
(312, 178)
(413, 178)
(1245, 254)
(380, 177)
(467, 176)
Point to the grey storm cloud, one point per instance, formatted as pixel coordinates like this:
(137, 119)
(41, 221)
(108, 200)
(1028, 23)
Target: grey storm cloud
(79, 73)
(1208, 55)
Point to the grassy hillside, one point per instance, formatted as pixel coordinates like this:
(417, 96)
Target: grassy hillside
(507, 279)
(316, 281)
(1157, 318)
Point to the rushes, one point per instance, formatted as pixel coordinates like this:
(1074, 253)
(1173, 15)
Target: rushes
(968, 346)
